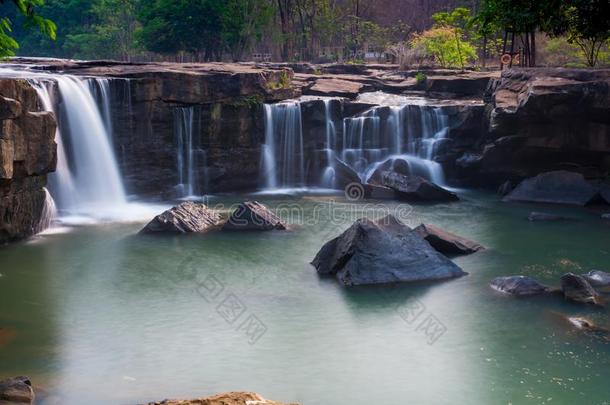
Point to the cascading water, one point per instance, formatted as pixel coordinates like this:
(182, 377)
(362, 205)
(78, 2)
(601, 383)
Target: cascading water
(189, 156)
(328, 175)
(100, 87)
(283, 161)
(367, 150)
(406, 130)
(49, 213)
(87, 180)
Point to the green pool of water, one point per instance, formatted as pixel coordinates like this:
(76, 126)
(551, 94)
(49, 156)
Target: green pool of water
(103, 316)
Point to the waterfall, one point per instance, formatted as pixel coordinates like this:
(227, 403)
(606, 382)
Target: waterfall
(87, 180)
(48, 214)
(328, 175)
(283, 161)
(100, 87)
(412, 134)
(189, 156)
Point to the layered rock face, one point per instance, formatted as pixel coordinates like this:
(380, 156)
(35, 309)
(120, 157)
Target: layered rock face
(27, 154)
(542, 120)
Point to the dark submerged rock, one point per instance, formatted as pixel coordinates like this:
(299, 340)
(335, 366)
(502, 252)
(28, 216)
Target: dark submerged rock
(384, 251)
(576, 288)
(415, 188)
(519, 286)
(188, 217)
(253, 216)
(545, 216)
(447, 242)
(558, 187)
(16, 391)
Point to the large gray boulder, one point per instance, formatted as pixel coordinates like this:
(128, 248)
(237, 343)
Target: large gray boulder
(598, 279)
(519, 286)
(384, 251)
(188, 217)
(16, 391)
(253, 216)
(576, 288)
(415, 188)
(446, 242)
(344, 174)
(558, 187)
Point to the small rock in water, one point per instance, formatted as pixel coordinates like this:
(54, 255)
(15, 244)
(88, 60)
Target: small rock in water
(16, 391)
(384, 251)
(446, 242)
(576, 288)
(519, 285)
(544, 216)
(606, 217)
(597, 278)
(585, 326)
(415, 188)
(253, 216)
(188, 217)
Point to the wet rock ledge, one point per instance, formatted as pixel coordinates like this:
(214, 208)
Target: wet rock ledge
(231, 398)
(27, 154)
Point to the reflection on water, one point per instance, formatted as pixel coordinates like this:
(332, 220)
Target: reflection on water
(153, 318)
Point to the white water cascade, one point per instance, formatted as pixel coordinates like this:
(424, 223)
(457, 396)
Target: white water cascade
(189, 156)
(413, 133)
(49, 213)
(87, 180)
(328, 175)
(283, 160)
(400, 129)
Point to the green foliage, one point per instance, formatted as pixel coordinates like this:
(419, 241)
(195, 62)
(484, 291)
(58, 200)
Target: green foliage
(420, 77)
(251, 101)
(28, 11)
(442, 45)
(586, 23)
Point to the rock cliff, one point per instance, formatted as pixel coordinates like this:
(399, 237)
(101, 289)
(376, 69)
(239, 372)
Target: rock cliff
(27, 154)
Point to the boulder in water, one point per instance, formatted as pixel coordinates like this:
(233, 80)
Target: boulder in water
(188, 217)
(230, 398)
(519, 285)
(558, 187)
(446, 242)
(384, 251)
(397, 165)
(598, 279)
(253, 216)
(415, 188)
(344, 174)
(545, 216)
(16, 391)
(576, 288)
(375, 192)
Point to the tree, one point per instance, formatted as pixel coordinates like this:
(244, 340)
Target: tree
(586, 24)
(171, 27)
(243, 22)
(441, 44)
(28, 9)
(456, 20)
